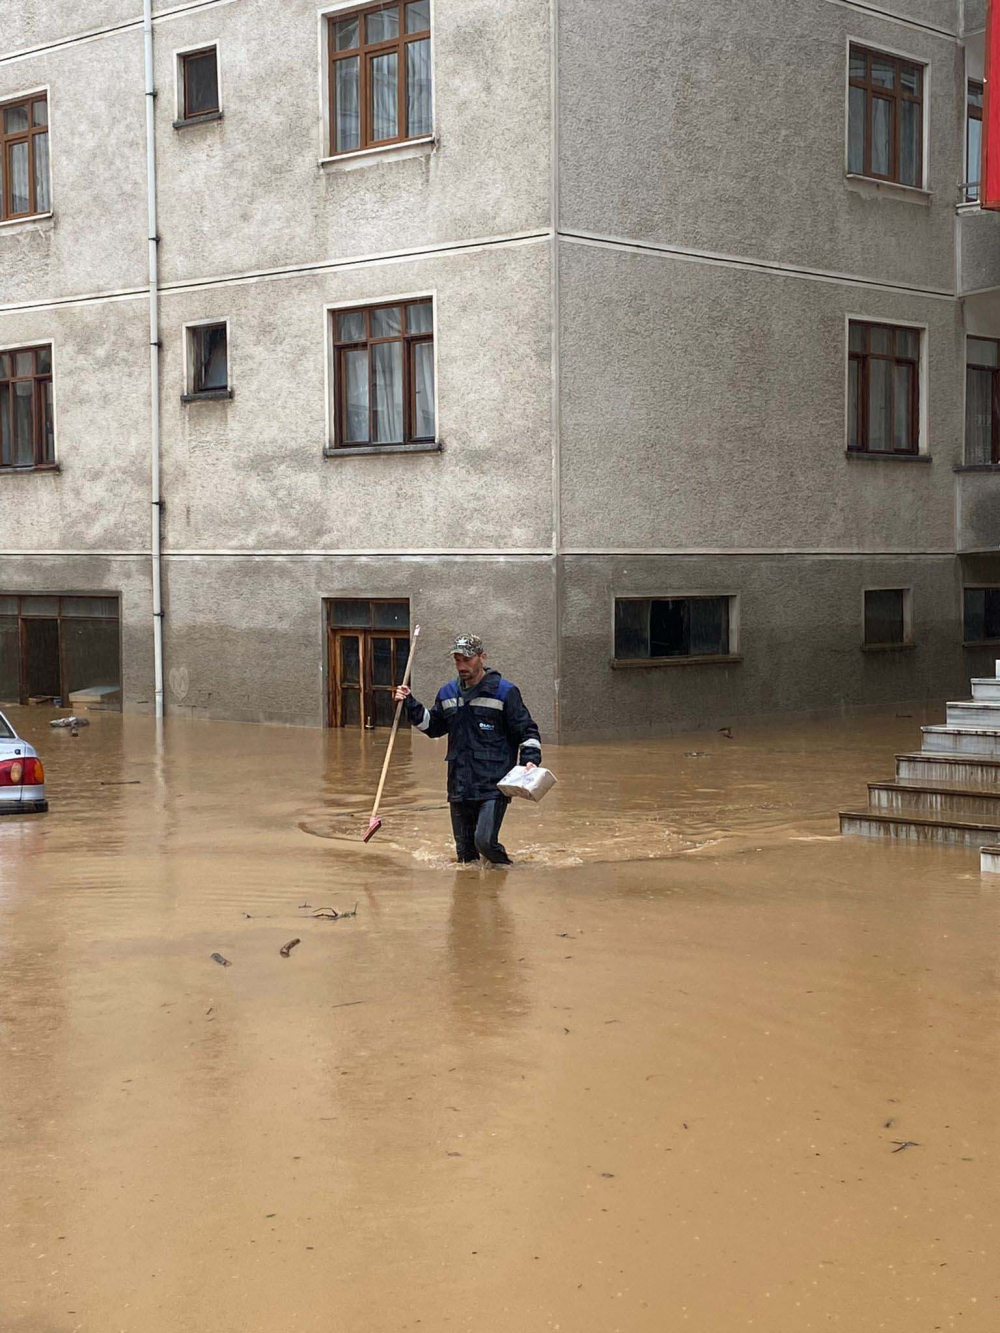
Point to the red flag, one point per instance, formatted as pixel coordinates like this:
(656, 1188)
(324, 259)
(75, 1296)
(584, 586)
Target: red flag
(989, 187)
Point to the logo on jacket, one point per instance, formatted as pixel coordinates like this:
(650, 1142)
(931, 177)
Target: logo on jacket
(487, 726)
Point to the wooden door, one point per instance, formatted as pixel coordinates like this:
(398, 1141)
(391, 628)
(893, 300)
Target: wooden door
(365, 668)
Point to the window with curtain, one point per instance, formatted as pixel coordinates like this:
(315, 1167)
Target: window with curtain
(885, 122)
(380, 75)
(982, 401)
(384, 374)
(883, 399)
(24, 158)
(973, 139)
(27, 435)
(649, 628)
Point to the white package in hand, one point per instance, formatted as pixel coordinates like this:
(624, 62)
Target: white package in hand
(529, 784)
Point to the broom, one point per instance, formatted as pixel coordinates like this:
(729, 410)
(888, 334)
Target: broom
(374, 824)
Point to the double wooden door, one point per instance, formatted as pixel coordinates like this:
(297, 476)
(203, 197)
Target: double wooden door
(367, 665)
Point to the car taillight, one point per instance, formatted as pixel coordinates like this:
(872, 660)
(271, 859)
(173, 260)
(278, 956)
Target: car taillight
(11, 772)
(34, 773)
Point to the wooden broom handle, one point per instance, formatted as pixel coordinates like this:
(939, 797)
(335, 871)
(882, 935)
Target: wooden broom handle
(395, 723)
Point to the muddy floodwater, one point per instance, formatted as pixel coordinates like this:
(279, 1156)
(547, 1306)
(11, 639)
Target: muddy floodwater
(656, 1076)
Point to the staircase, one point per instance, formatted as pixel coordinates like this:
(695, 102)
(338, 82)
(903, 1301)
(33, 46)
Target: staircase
(949, 792)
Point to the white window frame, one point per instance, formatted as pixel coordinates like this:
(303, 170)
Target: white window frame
(907, 591)
(923, 364)
(925, 138)
(407, 147)
(179, 54)
(331, 449)
(187, 332)
(687, 594)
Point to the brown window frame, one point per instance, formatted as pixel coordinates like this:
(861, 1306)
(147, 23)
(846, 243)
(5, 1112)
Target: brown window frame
(39, 409)
(7, 141)
(994, 372)
(184, 57)
(895, 95)
(21, 615)
(409, 341)
(864, 360)
(364, 687)
(364, 52)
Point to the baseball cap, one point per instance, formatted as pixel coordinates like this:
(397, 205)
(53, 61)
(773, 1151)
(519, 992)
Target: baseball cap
(468, 645)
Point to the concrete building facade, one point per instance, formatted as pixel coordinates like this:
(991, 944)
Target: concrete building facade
(648, 260)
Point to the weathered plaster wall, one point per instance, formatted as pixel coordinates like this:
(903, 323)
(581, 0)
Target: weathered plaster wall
(248, 193)
(96, 239)
(801, 629)
(249, 634)
(979, 251)
(705, 406)
(737, 115)
(250, 473)
(99, 500)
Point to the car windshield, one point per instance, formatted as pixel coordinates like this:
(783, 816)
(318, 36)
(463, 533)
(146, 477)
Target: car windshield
(7, 732)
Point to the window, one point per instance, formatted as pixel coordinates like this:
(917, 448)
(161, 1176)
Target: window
(380, 76)
(24, 158)
(368, 642)
(885, 118)
(384, 374)
(883, 389)
(208, 362)
(982, 400)
(973, 140)
(887, 617)
(53, 647)
(199, 83)
(981, 619)
(649, 628)
(26, 423)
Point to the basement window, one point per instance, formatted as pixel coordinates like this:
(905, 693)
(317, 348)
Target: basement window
(653, 629)
(887, 618)
(981, 615)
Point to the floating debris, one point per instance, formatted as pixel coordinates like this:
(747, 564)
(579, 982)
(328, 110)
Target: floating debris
(331, 914)
(218, 958)
(286, 949)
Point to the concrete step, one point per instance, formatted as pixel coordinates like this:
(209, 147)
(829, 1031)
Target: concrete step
(965, 771)
(935, 801)
(989, 860)
(913, 826)
(986, 688)
(961, 740)
(974, 713)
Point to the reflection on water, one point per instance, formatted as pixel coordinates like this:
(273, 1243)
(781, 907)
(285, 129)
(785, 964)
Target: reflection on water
(654, 1075)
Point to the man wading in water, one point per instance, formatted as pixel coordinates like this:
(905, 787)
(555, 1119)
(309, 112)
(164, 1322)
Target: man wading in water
(489, 730)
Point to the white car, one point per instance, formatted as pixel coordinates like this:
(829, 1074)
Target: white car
(22, 778)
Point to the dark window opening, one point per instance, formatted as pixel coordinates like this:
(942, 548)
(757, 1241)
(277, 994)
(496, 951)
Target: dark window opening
(200, 82)
(368, 642)
(380, 75)
(982, 401)
(885, 617)
(885, 117)
(672, 627)
(883, 415)
(210, 358)
(24, 158)
(981, 619)
(384, 374)
(973, 140)
(65, 649)
(27, 431)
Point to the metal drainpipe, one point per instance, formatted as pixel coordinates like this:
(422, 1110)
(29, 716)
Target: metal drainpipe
(154, 356)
